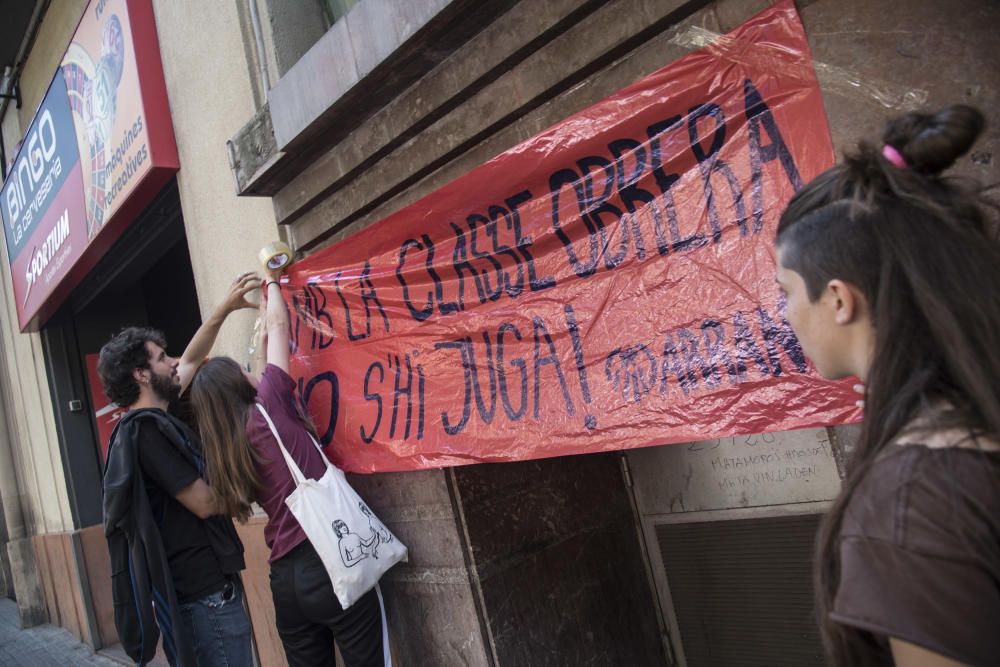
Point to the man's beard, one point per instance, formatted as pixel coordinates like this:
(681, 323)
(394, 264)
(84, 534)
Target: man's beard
(164, 387)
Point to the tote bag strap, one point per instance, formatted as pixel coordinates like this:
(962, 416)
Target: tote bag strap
(293, 467)
(323, 454)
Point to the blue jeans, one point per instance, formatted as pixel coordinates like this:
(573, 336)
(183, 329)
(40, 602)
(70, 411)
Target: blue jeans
(219, 629)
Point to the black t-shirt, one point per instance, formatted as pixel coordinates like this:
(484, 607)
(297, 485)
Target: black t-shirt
(193, 562)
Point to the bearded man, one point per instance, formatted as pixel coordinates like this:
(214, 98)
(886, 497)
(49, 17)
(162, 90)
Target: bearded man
(175, 559)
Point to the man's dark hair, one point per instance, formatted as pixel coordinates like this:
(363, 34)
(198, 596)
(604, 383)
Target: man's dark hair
(120, 356)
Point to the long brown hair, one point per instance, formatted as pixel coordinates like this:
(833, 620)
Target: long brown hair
(222, 397)
(921, 249)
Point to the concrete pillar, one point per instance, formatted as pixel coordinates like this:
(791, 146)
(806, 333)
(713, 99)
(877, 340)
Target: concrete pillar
(6, 584)
(18, 573)
(24, 571)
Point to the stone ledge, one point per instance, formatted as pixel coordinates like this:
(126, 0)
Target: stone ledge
(361, 64)
(505, 43)
(500, 110)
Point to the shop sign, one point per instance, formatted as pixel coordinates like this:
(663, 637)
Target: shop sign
(99, 148)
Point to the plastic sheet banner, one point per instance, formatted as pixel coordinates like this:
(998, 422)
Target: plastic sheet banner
(606, 284)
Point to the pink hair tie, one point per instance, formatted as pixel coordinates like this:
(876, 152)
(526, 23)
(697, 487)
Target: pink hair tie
(894, 156)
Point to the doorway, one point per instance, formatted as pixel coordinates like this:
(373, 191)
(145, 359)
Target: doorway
(729, 526)
(145, 279)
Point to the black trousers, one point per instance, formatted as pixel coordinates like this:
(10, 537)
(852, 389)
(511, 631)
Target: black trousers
(310, 619)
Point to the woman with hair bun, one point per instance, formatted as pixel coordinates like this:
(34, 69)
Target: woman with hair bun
(892, 274)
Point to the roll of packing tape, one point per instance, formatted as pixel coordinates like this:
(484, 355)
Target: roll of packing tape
(275, 256)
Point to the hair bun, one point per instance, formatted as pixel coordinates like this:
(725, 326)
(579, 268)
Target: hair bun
(932, 143)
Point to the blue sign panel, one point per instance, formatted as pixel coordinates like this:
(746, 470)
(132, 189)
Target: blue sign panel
(42, 169)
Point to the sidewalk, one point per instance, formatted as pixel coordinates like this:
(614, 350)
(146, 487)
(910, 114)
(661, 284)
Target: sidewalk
(42, 646)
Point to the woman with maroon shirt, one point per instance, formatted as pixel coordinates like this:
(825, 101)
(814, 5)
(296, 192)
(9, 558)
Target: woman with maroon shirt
(245, 465)
(892, 274)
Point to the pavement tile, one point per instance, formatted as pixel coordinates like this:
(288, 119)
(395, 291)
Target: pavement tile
(42, 646)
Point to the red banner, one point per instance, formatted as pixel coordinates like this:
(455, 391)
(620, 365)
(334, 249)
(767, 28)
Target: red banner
(606, 284)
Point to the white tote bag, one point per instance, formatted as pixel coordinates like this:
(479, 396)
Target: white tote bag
(353, 544)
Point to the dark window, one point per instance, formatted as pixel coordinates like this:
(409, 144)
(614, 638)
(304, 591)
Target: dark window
(742, 590)
(337, 9)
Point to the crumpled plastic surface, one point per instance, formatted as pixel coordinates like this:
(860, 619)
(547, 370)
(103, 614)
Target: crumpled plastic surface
(606, 284)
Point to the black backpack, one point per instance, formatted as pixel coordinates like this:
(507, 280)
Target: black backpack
(141, 584)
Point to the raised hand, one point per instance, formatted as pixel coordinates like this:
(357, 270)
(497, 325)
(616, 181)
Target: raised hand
(236, 298)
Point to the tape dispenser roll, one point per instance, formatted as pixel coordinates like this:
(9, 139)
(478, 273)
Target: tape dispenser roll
(275, 256)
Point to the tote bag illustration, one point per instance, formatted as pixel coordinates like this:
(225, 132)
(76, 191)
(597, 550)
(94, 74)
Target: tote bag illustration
(355, 547)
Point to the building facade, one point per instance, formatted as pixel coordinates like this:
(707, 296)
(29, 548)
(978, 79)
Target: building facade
(308, 120)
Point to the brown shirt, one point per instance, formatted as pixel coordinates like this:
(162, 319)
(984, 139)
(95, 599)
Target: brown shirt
(920, 553)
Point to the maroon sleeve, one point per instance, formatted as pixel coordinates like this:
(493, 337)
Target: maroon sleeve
(276, 390)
